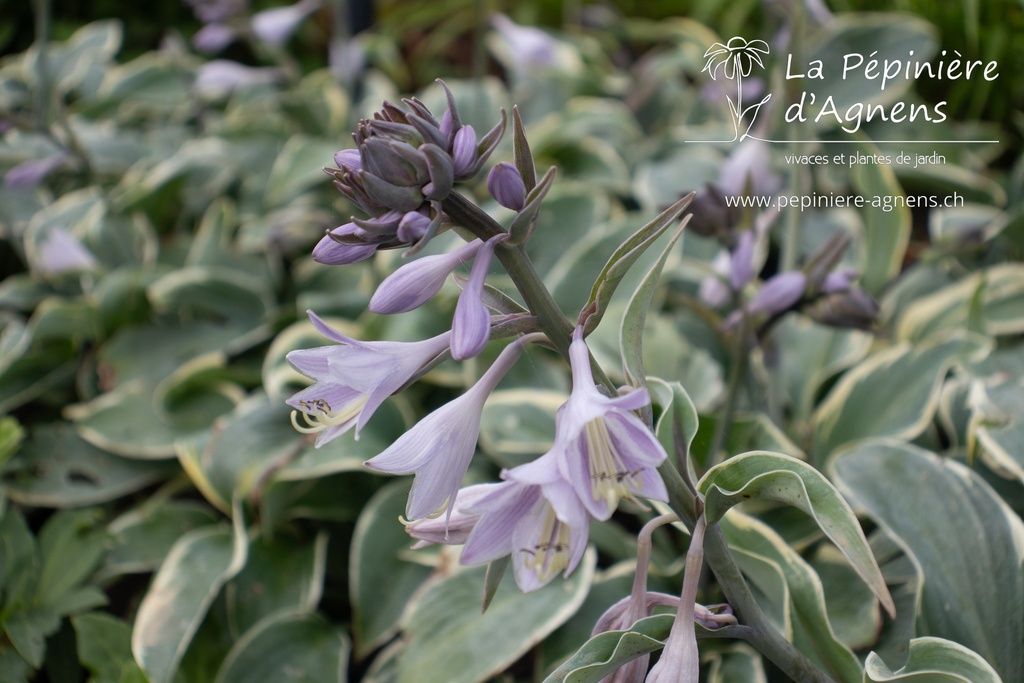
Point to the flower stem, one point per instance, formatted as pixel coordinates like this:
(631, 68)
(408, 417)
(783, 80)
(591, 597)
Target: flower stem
(736, 373)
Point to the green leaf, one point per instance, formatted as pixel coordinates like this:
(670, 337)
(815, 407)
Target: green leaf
(27, 630)
(182, 592)
(787, 587)
(987, 302)
(967, 541)
(997, 426)
(104, 646)
(632, 332)
(852, 609)
(933, 660)
(518, 425)
(71, 544)
(11, 434)
(381, 581)
(450, 641)
(677, 424)
(280, 575)
(761, 475)
(886, 232)
(56, 468)
(625, 256)
(740, 662)
(143, 537)
(909, 380)
(296, 647)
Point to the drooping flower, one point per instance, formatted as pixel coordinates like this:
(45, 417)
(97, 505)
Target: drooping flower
(439, 447)
(536, 518)
(353, 378)
(453, 530)
(31, 173)
(61, 252)
(471, 325)
(415, 283)
(604, 449)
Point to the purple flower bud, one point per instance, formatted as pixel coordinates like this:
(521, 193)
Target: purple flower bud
(506, 186)
(213, 38)
(464, 154)
(741, 270)
(417, 282)
(30, 173)
(332, 250)
(350, 159)
(471, 326)
(413, 226)
(839, 280)
(779, 293)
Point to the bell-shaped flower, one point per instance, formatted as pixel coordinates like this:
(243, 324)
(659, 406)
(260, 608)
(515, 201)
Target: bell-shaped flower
(536, 518)
(471, 326)
(415, 283)
(353, 378)
(456, 529)
(603, 448)
(506, 185)
(439, 447)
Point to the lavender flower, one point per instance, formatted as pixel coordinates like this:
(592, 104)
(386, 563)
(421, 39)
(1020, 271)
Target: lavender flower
(779, 293)
(277, 24)
(213, 38)
(605, 450)
(344, 245)
(353, 379)
(61, 252)
(471, 326)
(453, 530)
(30, 173)
(537, 518)
(417, 282)
(506, 186)
(439, 448)
(532, 47)
(220, 77)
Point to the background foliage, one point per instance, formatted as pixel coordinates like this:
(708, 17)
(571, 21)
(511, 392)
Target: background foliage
(162, 520)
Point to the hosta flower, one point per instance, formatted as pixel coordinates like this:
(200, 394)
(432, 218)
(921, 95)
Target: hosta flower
(779, 293)
(536, 518)
(415, 283)
(453, 530)
(439, 448)
(604, 449)
(735, 57)
(61, 252)
(406, 163)
(277, 24)
(506, 185)
(353, 378)
(30, 173)
(471, 326)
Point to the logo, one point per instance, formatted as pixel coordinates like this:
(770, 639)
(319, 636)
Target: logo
(735, 59)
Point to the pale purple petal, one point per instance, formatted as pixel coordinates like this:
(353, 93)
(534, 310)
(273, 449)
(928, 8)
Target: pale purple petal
(61, 252)
(471, 325)
(502, 510)
(349, 158)
(276, 25)
(779, 293)
(417, 282)
(464, 153)
(506, 186)
(219, 77)
(30, 173)
(213, 38)
(456, 530)
(331, 252)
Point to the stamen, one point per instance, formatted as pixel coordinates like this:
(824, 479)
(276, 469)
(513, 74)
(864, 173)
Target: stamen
(318, 416)
(550, 554)
(609, 478)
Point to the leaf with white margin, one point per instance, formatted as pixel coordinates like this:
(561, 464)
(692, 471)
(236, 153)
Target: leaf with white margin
(773, 476)
(968, 542)
(184, 588)
(934, 660)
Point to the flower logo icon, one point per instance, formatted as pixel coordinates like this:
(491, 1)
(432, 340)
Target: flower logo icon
(735, 59)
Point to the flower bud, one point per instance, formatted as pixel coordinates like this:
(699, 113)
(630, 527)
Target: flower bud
(342, 246)
(413, 226)
(507, 186)
(741, 269)
(464, 154)
(350, 159)
(779, 293)
(471, 326)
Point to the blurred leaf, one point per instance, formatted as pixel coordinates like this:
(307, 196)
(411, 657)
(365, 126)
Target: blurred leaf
(987, 302)
(11, 435)
(886, 231)
(299, 647)
(969, 544)
(997, 425)
(298, 167)
(519, 424)
(190, 578)
(381, 581)
(450, 641)
(71, 544)
(104, 647)
(56, 468)
(738, 663)
(281, 575)
(908, 378)
(935, 660)
(852, 609)
(774, 476)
